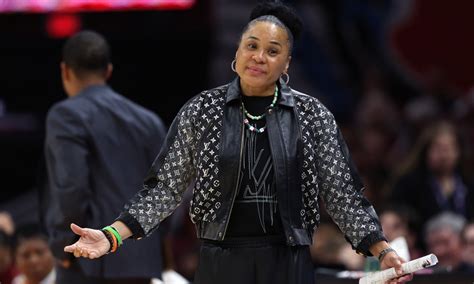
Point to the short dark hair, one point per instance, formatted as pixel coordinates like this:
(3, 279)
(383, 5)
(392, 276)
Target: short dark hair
(87, 53)
(28, 232)
(5, 239)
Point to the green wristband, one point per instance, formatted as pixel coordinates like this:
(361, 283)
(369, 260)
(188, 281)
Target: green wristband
(114, 231)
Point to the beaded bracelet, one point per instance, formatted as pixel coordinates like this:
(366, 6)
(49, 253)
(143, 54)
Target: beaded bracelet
(384, 252)
(112, 241)
(114, 231)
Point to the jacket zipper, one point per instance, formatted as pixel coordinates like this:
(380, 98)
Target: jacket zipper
(242, 129)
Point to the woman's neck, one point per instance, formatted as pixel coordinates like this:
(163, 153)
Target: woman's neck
(257, 91)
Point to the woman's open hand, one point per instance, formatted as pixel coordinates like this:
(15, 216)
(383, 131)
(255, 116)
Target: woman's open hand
(92, 243)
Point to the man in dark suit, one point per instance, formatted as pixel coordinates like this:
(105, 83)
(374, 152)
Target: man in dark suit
(99, 146)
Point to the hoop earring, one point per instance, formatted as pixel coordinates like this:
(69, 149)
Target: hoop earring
(287, 77)
(232, 65)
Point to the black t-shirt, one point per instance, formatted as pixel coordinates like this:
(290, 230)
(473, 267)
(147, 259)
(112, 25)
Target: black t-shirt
(255, 211)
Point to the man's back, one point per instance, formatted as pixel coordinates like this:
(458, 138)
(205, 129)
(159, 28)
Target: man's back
(99, 147)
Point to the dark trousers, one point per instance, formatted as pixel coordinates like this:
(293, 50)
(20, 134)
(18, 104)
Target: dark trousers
(74, 275)
(254, 263)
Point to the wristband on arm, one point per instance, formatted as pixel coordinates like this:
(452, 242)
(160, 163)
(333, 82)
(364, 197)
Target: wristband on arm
(114, 232)
(384, 252)
(112, 241)
(113, 237)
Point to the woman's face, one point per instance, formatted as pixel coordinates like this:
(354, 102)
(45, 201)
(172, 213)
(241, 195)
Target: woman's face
(34, 259)
(263, 54)
(446, 245)
(443, 153)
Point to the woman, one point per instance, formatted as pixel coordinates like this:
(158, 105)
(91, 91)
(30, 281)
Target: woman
(432, 180)
(260, 154)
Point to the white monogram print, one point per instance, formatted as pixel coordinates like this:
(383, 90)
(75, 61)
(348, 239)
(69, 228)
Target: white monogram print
(193, 154)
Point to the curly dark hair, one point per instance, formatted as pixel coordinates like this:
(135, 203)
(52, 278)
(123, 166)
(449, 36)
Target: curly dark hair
(282, 12)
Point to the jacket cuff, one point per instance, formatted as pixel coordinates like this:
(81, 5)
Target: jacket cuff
(132, 224)
(368, 241)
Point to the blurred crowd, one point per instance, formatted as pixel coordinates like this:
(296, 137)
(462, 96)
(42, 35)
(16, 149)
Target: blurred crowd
(417, 173)
(411, 140)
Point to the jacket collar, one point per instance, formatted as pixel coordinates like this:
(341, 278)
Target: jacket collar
(286, 98)
(92, 89)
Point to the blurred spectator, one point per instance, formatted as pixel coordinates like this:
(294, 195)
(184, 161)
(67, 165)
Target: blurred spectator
(349, 259)
(376, 125)
(325, 243)
(6, 223)
(33, 257)
(468, 238)
(7, 268)
(399, 221)
(432, 179)
(443, 238)
(330, 250)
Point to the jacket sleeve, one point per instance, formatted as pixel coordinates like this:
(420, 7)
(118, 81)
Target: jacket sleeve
(171, 173)
(341, 189)
(66, 153)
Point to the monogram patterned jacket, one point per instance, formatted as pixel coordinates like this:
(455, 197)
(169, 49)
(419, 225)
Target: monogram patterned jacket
(204, 148)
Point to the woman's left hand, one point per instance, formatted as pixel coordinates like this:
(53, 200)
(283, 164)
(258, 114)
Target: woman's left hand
(392, 259)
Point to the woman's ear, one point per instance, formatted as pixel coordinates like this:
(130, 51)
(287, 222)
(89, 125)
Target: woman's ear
(287, 64)
(64, 71)
(110, 69)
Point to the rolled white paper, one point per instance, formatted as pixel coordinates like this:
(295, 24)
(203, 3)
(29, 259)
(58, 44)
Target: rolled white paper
(380, 277)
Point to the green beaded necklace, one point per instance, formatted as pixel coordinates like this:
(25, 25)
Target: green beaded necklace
(258, 117)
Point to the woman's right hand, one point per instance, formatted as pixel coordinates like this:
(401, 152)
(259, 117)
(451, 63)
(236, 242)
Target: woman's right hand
(92, 243)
